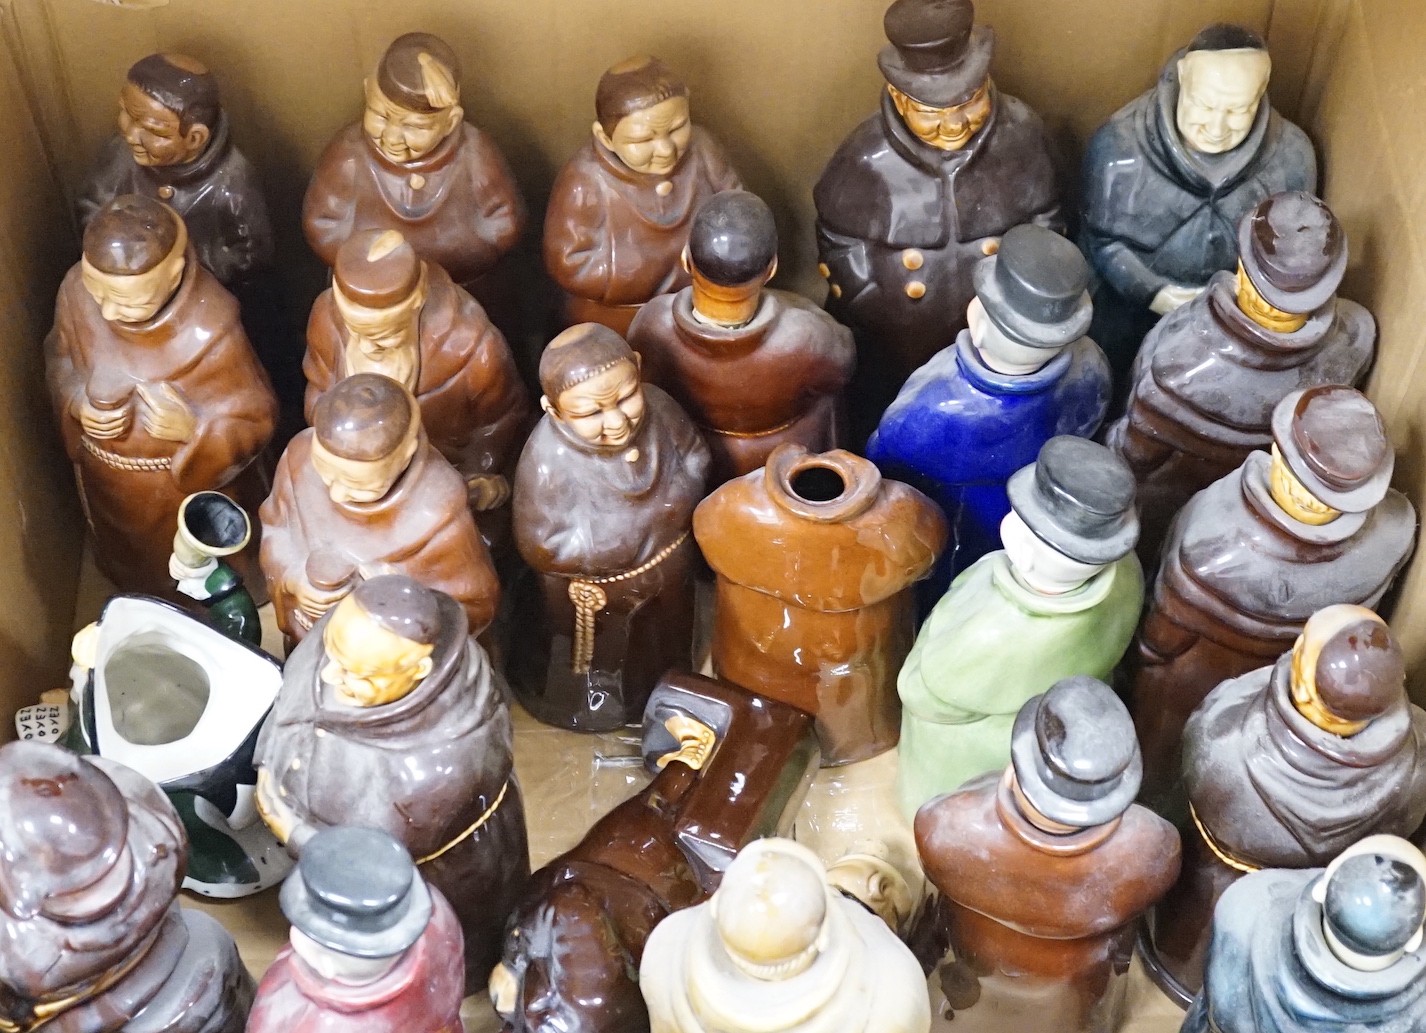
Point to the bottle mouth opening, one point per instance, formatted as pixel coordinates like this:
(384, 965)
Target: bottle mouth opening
(818, 483)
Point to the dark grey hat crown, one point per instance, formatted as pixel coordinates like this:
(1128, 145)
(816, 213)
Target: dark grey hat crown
(1293, 250)
(1374, 905)
(1075, 754)
(1079, 499)
(931, 35)
(734, 238)
(1041, 275)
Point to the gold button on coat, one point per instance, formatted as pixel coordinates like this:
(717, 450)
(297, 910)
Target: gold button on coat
(912, 259)
(915, 289)
(990, 246)
(823, 271)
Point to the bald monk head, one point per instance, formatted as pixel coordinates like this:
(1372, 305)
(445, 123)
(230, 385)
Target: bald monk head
(379, 288)
(135, 250)
(641, 114)
(168, 109)
(366, 429)
(413, 100)
(590, 379)
(379, 640)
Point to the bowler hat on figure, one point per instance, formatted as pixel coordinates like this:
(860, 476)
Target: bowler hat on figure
(357, 891)
(1078, 497)
(1075, 755)
(1035, 288)
(1334, 441)
(1294, 251)
(937, 55)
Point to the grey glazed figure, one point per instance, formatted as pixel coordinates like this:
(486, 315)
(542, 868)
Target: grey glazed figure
(1320, 951)
(1208, 375)
(1169, 176)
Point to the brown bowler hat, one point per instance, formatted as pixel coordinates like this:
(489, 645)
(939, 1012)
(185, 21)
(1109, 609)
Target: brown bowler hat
(937, 54)
(1333, 440)
(377, 268)
(1294, 251)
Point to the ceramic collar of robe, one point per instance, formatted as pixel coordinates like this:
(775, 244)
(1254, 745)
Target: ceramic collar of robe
(1260, 502)
(822, 999)
(345, 997)
(394, 180)
(993, 382)
(177, 175)
(1205, 174)
(725, 342)
(663, 211)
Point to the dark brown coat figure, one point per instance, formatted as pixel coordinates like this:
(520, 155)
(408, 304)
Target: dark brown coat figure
(614, 231)
(1210, 372)
(91, 937)
(1255, 554)
(733, 767)
(417, 523)
(432, 767)
(1044, 870)
(604, 499)
(174, 374)
(753, 368)
(1288, 766)
(902, 222)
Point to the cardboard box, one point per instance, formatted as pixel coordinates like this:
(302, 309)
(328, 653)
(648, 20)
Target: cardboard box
(779, 82)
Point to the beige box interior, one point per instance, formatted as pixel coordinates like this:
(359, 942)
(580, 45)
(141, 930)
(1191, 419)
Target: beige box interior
(779, 82)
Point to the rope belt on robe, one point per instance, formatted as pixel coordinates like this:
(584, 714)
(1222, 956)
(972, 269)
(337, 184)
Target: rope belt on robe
(751, 433)
(589, 598)
(474, 828)
(1219, 852)
(118, 462)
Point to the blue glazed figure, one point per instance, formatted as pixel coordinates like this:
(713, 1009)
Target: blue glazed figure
(981, 409)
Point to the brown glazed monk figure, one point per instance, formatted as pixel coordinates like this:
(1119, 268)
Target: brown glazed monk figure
(1209, 373)
(1044, 870)
(363, 493)
(921, 191)
(156, 388)
(730, 767)
(1286, 767)
(390, 718)
(752, 367)
(92, 939)
(392, 313)
(1254, 555)
(604, 498)
(414, 164)
(620, 212)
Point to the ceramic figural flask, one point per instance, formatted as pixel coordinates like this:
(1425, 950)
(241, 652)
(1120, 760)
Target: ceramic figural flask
(156, 388)
(91, 937)
(776, 949)
(390, 717)
(371, 947)
(1325, 951)
(920, 192)
(815, 557)
(212, 527)
(620, 211)
(1061, 599)
(1285, 767)
(390, 312)
(731, 768)
(1044, 870)
(173, 145)
(604, 498)
(415, 165)
(752, 367)
(363, 493)
(1254, 555)
(1171, 174)
(1209, 374)
(1020, 374)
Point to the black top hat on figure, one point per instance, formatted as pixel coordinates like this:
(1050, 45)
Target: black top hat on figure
(1294, 251)
(1035, 288)
(937, 54)
(1334, 441)
(1075, 755)
(357, 892)
(1078, 497)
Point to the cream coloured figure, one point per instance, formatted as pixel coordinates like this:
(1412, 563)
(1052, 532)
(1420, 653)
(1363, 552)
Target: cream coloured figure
(777, 949)
(1038, 565)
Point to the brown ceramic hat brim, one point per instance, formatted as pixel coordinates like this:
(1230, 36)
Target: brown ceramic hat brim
(1018, 327)
(1357, 500)
(319, 925)
(942, 89)
(1111, 798)
(1026, 502)
(1301, 302)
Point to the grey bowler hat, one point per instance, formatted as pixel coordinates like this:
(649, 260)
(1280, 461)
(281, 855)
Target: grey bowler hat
(357, 891)
(1334, 441)
(1075, 754)
(1078, 497)
(937, 55)
(1035, 288)
(1294, 251)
